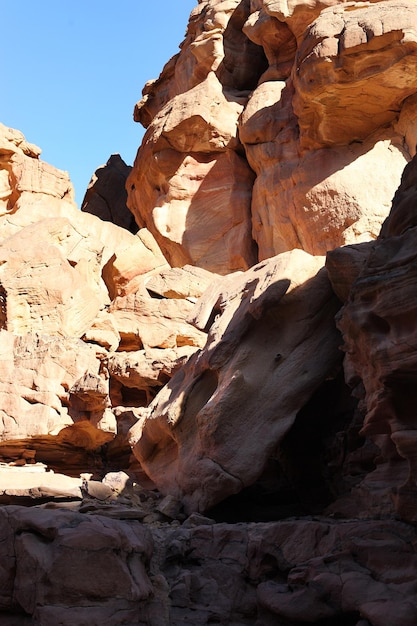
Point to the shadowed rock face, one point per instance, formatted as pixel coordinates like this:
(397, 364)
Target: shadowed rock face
(106, 194)
(377, 323)
(272, 343)
(352, 573)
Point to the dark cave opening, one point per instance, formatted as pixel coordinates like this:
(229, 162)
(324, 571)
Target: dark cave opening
(311, 466)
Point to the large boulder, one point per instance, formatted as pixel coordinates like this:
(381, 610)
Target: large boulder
(191, 185)
(271, 343)
(239, 98)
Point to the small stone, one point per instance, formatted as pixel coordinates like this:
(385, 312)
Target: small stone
(117, 481)
(154, 517)
(170, 507)
(98, 490)
(196, 519)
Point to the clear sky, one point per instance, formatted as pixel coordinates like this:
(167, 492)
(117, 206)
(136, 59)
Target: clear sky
(72, 71)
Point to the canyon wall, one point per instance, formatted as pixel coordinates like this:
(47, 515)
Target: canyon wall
(217, 352)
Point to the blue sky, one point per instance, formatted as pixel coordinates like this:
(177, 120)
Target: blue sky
(73, 70)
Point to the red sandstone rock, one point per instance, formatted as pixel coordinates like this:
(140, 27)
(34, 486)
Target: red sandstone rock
(373, 50)
(377, 328)
(313, 145)
(248, 144)
(27, 181)
(272, 339)
(299, 571)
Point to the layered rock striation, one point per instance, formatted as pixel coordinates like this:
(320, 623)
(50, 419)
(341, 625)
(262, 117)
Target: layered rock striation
(243, 349)
(306, 97)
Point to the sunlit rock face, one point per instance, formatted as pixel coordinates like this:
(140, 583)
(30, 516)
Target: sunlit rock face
(90, 315)
(270, 122)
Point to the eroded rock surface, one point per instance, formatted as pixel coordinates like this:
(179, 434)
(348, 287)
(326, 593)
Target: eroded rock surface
(74, 304)
(319, 100)
(351, 572)
(208, 342)
(377, 326)
(273, 332)
(106, 194)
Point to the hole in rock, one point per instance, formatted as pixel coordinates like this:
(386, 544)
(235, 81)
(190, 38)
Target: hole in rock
(377, 324)
(315, 463)
(201, 393)
(133, 397)
(244, 61)
(402, 386)
(155, 295)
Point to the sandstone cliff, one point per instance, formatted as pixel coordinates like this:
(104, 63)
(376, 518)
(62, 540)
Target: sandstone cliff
(224, 387)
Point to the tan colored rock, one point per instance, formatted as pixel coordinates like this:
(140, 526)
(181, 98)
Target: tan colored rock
(31, 196)
(26, 180)
(41, 382)
(188, 204)
(195, 439)
(49, 280)
(33, 481)
(124, 271)
(103, 332)
(191, 138)
(186, 282)
(298, 14)
(339, 205)
(276, 39)
(340, 96)
(236, 61)
(312, 160)
(146, 321)
(143, 370)
(320, 200)
(201, 120)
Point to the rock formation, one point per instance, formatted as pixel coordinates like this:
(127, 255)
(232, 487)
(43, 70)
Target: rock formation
(272, 337)
(377, 326)
(70, 288)
(211, 420)
(106, 194)
(241, 92)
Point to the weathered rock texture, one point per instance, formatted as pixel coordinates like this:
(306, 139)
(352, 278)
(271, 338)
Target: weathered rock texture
(208, 343)
(316, 99)
(74, 305)
(377, 322)
(66, 568)
(273, 338)
(106, 194)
